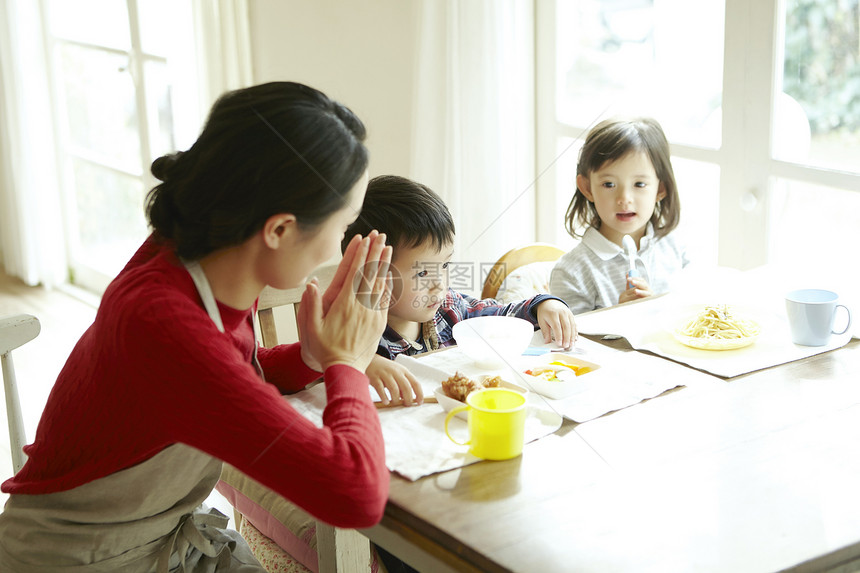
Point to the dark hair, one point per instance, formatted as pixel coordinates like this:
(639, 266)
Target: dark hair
(611, 140)
(278, 147)
(410, 214)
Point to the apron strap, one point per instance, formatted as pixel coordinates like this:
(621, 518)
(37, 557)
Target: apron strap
(205, 291)
(254, 360)
(211, 306)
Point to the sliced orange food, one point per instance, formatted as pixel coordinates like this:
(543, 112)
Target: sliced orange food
(579, 370)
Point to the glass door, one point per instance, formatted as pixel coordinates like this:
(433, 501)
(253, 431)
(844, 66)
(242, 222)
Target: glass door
(815, 194)
(123, 79)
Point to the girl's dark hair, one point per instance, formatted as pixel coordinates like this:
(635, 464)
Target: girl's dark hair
(409, 213)
(279, 147)
(611, 140)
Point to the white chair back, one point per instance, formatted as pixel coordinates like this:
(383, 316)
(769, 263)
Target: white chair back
(15, 331)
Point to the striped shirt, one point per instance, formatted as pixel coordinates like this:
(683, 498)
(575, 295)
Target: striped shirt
(594, 274)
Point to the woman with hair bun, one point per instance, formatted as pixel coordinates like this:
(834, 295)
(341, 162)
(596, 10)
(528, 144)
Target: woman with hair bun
(168, 381)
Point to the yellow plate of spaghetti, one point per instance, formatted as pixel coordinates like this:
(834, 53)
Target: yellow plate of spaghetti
(717, 327)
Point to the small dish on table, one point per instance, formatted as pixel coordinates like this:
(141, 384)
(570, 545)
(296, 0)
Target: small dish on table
(557, 375)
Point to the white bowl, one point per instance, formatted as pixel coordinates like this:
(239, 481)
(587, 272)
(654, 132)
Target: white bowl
(493, 341)
(448, 403)
(558, 389)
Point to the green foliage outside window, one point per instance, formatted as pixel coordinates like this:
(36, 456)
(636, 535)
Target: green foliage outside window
(822, 62)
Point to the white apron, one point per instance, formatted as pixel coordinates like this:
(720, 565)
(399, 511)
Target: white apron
(148, 518)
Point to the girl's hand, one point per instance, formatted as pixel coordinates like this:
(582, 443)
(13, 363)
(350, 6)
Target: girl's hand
(556, 322)
(637, 288)
(343, 326)
(400, 383)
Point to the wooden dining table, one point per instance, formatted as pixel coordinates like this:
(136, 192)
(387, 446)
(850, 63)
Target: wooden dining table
(760, 472)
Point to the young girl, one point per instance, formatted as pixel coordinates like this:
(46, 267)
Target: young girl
(625, 185)
(168, 381)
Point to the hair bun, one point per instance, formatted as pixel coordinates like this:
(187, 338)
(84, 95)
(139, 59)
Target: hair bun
(350, 120)
(164, 165)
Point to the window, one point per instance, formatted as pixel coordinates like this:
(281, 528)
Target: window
(125, 92)
(760, 102)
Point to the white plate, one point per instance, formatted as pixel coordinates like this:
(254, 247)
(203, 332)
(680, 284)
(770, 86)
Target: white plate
(714, 343)
(449, 403)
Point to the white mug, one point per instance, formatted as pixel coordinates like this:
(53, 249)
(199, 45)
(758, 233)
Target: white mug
(811, 314)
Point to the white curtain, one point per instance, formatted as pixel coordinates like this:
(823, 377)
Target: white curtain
(223, 39)
(475, 126)
(32, 241)
(31, 229)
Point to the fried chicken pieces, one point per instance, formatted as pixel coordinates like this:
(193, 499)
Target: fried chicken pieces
(459, 386)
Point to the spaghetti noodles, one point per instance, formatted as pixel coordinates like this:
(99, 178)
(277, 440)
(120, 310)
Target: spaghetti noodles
(718, 323)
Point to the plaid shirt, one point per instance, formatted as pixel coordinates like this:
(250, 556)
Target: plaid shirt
(456, 307)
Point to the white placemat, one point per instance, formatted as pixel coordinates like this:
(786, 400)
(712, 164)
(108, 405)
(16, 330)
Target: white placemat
(648, 325)
(415, 440)
(624, 378)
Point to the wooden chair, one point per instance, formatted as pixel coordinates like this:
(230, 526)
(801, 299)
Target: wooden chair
(272, 298)
(337, 549)
(515, 258)
(15, 331)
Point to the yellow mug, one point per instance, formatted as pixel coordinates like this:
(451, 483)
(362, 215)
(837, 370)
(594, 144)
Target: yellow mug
(497, 419)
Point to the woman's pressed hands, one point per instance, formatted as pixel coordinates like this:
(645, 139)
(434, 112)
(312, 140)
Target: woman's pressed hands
(371, 281)
(556, 323)
(401, 385)
(343, 326)
(346, 273)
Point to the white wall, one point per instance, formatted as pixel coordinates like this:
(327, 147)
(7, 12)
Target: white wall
(362, 54)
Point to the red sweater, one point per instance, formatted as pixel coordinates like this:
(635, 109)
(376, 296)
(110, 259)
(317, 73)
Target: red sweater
(154, 370)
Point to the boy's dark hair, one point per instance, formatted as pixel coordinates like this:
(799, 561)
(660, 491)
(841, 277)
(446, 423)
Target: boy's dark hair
(410, 214)
(611, 140)
(278, 147)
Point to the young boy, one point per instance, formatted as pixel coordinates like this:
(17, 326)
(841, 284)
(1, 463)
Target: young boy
(420, 230)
